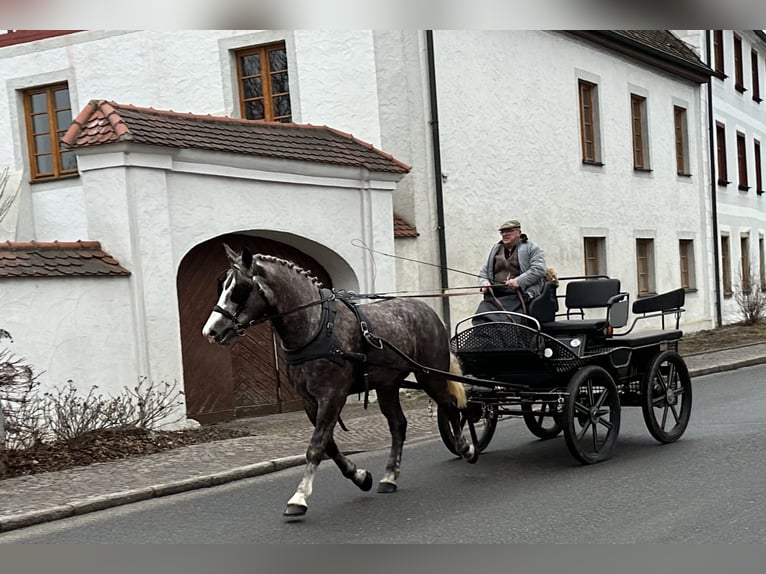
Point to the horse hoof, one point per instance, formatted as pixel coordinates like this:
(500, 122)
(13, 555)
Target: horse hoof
(295, 511)
(471, 456)
(367, 482)
(386, 487)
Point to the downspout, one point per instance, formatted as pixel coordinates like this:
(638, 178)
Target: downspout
(437, 165)
(713, 185)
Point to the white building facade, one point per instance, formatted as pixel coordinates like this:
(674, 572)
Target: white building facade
(491, 124)
(738, 132)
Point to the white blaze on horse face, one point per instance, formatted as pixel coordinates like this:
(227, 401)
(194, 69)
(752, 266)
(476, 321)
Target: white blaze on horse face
(216, 322)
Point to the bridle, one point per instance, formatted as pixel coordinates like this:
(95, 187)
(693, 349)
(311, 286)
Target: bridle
(271, 312)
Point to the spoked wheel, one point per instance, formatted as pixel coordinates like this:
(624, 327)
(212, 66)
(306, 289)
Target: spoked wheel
(542, 419)
(666, 397)
(484, 417)
(592, 417)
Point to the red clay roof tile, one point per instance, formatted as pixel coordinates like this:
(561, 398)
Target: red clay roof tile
(403, 228)
(102, 122)
(56, 259)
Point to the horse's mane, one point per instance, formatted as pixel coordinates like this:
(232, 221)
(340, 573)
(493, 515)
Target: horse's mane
(290, 265)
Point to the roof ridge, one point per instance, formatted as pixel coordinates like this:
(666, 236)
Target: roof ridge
(79, 244)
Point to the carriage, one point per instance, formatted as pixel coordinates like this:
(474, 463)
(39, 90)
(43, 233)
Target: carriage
(569, 371)
(572, 367)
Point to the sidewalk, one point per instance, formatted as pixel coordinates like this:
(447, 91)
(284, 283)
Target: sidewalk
(279, 443)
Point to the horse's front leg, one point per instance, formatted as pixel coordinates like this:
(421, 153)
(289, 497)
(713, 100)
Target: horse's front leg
(324, 417)
(388, 400)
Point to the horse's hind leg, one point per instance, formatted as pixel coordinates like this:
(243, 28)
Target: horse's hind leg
(388, 401)
(360, 477)
(450, 396)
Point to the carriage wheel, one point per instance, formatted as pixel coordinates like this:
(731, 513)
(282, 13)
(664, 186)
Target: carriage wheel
(542, 419)
(666, 397)
(592, 415)
(484, 417)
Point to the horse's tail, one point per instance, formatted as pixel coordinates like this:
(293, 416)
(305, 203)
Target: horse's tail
(455, 388)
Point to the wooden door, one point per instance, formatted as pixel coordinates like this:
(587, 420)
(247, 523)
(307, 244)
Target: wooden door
(247, 378)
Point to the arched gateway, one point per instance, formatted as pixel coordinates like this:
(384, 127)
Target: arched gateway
(248, 379)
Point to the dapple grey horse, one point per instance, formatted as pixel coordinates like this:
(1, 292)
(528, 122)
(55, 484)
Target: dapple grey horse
(335, 347)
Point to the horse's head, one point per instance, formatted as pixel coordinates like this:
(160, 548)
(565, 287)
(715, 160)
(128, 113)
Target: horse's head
(242, 299)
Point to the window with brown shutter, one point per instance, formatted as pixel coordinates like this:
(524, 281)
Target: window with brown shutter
(720, 142)
(726, 265)
(682, 140)
(718, 50)
(739, 74)
(756, 77)
(589, 128)
(742, 162)
(638, 125)
(686, 254)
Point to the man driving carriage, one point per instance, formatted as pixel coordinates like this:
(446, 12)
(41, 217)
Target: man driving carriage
(513, 275)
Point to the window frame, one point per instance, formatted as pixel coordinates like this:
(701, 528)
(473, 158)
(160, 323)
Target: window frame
(267, 94)
(687, 266)
(587, 94)
(720, 144)
(742, 184)
(744, 261)
(56, 152)
(645, 266)
(639, 132)
(726, 265)
(680, 127)
(594, 255)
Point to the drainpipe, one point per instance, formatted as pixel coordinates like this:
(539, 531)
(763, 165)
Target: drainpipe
(437, 165)
(713, 185)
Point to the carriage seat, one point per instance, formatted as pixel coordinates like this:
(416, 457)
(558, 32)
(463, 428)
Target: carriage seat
(668, 303)
(590, 294)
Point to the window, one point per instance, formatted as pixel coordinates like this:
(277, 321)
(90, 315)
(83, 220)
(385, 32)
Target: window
(762, 262)
(682, 141)
(589, 132)
(720, 142)
(640, 141)
(726, 265)
(48, 115)
(645, 266)
(756, 79)
(264, 93)
(718, 49)
(742, 161)
(686, 252)
(594, 250)
(738, 71)
(744, 255)
(758, 173)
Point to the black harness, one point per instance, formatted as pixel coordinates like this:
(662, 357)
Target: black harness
(325, 345)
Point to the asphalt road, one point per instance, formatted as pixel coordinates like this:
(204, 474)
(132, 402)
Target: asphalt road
(708, 487)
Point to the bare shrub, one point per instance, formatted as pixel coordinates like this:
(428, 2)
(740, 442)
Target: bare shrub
(6, 199)
(67, 414)
(19, 401)
(750, 300)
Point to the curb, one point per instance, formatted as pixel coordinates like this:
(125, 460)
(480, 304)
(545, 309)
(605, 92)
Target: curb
(93, 504)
